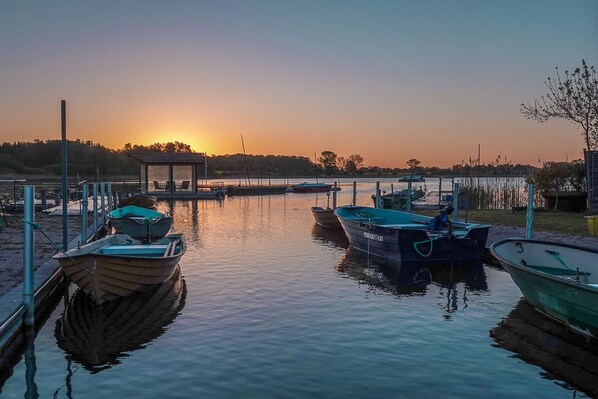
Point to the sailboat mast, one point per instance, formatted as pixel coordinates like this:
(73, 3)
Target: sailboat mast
(316, 164)
(245, 162)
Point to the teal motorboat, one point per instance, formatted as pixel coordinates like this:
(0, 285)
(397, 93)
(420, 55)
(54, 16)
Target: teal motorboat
(559, 280)
(140, 223)
(409, 237)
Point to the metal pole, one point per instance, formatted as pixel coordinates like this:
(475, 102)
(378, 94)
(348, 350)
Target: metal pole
(409, 195)
(529, 219)
(95, 207)
(28, 252)
(103, 202)
(334, 196)
(110, 207)
(377, 205)
(84, 204)
(354, 193)
(456, 202)
(439, 191)
(65, 234)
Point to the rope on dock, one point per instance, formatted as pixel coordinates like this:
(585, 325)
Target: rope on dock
(36, 226)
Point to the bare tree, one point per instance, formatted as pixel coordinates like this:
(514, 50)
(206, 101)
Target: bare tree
(573, 97)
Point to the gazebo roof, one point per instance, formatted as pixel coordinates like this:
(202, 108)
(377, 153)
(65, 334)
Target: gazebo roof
(167, 158)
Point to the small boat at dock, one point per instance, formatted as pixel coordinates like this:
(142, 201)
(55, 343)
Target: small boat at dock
(140, 223)
(142, 200)
(560, 280)
(117, 266)
(408, 237)
(325, 217)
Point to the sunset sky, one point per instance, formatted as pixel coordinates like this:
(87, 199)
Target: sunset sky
(389, 80)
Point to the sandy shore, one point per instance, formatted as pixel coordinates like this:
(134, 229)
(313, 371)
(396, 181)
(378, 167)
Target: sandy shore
(11, 245)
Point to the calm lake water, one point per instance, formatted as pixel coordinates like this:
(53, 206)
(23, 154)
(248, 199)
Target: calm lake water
(271, 306)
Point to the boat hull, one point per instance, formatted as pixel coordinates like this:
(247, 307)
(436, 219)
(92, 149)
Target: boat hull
(565, 299)
(105, 277)
(412, 243)
(326, 217)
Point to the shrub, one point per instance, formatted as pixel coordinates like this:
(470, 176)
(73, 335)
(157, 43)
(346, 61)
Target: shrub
(559, 176)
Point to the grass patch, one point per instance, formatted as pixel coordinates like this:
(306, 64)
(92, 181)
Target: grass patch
(560, 222)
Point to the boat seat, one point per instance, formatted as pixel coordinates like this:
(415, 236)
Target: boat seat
(140, 250)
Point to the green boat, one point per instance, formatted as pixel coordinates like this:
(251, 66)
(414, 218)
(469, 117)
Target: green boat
(140, 223)
(559, 280)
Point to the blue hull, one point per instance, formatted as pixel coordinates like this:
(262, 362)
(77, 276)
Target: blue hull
(409, 242)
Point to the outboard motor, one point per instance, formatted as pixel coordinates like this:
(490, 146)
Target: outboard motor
(442, 219)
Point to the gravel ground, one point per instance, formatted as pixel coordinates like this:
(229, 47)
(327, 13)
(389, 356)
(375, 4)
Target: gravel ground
(11, 245)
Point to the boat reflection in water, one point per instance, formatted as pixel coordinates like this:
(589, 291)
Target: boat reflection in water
(334, 238)
(562, 353)
(412, 279)
(97, 337)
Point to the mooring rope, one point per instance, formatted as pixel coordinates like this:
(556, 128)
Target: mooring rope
(36, 226)
(431, 241)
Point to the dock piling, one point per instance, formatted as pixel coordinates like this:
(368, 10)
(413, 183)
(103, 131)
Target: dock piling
(354, 193)
(529, 215)
(409, 195)
(456, 202)
(28, 253)
(334, 196)
(95, 207)
(84, 204)
(109, 195)
(377, 195)
(103, 201)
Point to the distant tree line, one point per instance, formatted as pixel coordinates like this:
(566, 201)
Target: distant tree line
(92, 160)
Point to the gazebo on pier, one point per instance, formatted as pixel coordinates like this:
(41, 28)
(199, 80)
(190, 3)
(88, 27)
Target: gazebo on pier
(171, 174)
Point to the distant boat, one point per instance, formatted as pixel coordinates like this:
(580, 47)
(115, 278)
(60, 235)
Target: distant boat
(325, 217)
(140, 223)
(98, 337)
(117, 266)
(233, 190)
(409, 237)
(560, 280)
(412, 178)
(398, 200)
(312, 187)
(142, 200)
